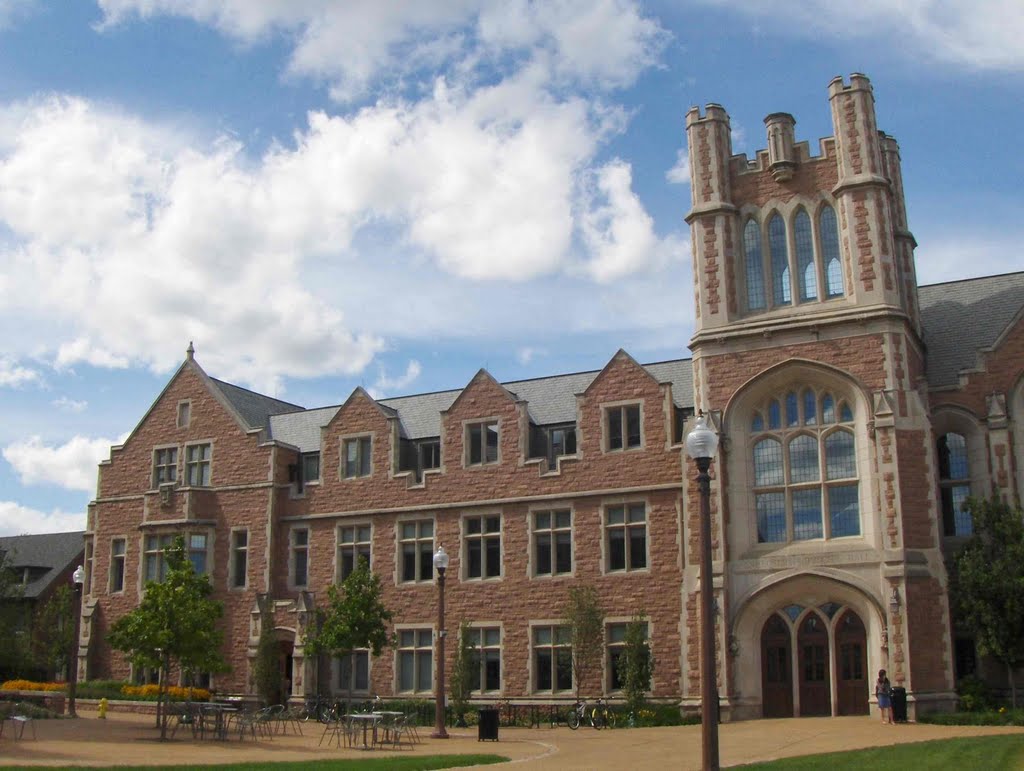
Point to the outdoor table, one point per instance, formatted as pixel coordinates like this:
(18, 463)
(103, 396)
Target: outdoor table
(387, 718)
(367, 718)
(221, 714)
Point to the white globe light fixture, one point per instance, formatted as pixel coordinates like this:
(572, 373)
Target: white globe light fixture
(701, 442)
(77, 579)
(441, 563)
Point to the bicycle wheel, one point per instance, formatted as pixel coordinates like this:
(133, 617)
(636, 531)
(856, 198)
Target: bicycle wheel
(609, 718)
(325, 713)
(574, 719)
(597, 719)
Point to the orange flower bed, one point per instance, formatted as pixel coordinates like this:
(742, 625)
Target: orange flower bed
(29, 685)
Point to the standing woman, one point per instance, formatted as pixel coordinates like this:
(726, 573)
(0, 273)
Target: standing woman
(883, 692)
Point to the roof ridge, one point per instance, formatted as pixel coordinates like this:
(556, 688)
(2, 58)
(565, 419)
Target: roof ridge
(256, 393)
(972, 278)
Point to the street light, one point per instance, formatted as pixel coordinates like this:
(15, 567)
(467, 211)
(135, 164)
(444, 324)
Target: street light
(701, 444)
(77, 578)
(441, 563)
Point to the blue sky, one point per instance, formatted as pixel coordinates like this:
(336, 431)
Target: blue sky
(330, 194)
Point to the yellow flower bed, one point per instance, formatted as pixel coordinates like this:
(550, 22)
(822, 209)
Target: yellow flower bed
(29, 685)
(173, 691)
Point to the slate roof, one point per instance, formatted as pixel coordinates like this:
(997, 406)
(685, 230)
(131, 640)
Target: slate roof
(55, 551)
(961, 318)
(550, 400)
(254, 408)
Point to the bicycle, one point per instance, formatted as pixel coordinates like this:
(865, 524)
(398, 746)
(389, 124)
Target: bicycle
(577, 714)
(601, 716)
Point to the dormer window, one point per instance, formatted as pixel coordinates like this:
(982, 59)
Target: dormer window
(356, 457)
(310, 467)
(623, 427)
(482, 443)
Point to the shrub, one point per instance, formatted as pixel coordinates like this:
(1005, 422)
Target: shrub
(974, 693)
(174, 692)
(1001, 716)
(33, 711)
(31, 685)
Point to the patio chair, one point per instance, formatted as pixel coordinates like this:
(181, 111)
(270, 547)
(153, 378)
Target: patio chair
(292, 717)
(247, 723)
(337, 728)
(410, 727)
(185, 715)
(20, 718)
(398, 729)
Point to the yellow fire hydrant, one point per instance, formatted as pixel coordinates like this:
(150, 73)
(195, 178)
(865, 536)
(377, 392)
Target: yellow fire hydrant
(103, 709)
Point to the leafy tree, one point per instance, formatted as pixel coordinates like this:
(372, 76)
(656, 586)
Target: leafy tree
(636, 664)
(54, 630)
(176, 622)
(355, 617)
(267, 666)
(14, 654)
(987, 584)
(467, 663)
(584, 617)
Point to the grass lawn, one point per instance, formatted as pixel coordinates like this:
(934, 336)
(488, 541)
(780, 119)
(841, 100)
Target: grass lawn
(993, 753)
(369, 764)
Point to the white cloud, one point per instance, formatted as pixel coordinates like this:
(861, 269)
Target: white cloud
(11, 10)
(603, 42)
(13, 374)
(394, 386)
(16, 519)
(619, 233)
(71, 465)
(982, 34)
(679, 174)
(69, 405)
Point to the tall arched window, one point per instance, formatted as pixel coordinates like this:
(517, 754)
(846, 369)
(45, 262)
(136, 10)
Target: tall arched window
(754, 265)
(782, 293)
(829, 233)
(954, 484)
(807, 271)
(805, 467)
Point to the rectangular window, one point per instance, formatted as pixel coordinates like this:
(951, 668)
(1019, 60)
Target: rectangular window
(626, 532)
(354, 672)
(117, 557)
(300, 556)
(429, 454)
(197, 464)
(239, 559)
(310, 467)
(353, 545)
(416, 541)
(165, 466)
(623, 426)
(482, 443)
(154, 566)
(552, 659)
(184, 414)
(616, 644)
(87, 587)
(552, 542)
(356, 457)
(197, 552)
(415, 660)
(482, 542)
(485, 672)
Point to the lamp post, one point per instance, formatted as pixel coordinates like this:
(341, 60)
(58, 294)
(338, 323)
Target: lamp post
(701, 444)
(77, 578)
(441, 563)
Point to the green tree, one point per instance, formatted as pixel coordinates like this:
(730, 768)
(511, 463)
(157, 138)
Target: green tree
(355, 617)
(987, 584)
(53, 630)
(176, 623)
(584, 617)
(465, 666)
(636, 664)
(14, 649)
(267, 666)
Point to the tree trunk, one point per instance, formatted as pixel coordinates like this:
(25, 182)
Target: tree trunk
(161, 699)
(1013, 686)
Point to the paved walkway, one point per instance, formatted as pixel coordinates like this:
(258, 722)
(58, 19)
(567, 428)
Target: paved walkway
(132, 740)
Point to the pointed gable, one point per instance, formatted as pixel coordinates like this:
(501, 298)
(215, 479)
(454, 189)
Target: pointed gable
(621, 365)
(482, 383)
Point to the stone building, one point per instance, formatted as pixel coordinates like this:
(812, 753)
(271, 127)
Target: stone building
(856, 412)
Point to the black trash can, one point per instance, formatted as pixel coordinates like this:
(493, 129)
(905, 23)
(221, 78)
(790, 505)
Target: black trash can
(488, 728)
(899, 704)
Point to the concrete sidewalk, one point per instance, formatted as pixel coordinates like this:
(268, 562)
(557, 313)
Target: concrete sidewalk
(132, 740)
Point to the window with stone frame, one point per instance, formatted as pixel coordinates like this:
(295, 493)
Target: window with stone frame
(551, 533)
(117, 563)
(154, 564)
(416, 550)
(806, 484)
(184, 414)
(954, 483)
(623, 427)
(354, 544)
(626, 537)
(310, 464)
(239, 568)
(299, 557)
(165, 466)
(615, 644)
(828, 233)
(552, 658)
(198, 545)
(356, 457)
(482, 443)
(414, 661)
(481, 543)
(485, 661)
(353, 672)
(198, 460)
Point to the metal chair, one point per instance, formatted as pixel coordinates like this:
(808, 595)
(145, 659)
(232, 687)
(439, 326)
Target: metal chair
(19, 719)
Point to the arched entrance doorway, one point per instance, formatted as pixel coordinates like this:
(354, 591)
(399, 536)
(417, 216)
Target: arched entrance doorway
(777, 676)
(851, 661)
(812, 648)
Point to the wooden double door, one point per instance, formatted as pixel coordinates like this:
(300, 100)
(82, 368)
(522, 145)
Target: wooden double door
(811, 667)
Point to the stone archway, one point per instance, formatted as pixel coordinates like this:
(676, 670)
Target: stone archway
(776, 668)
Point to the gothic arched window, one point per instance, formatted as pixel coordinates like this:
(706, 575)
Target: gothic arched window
(828, 231)
(807, 271)
(805, 467)
(782, 292)
(754, 265)
(954, 483)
